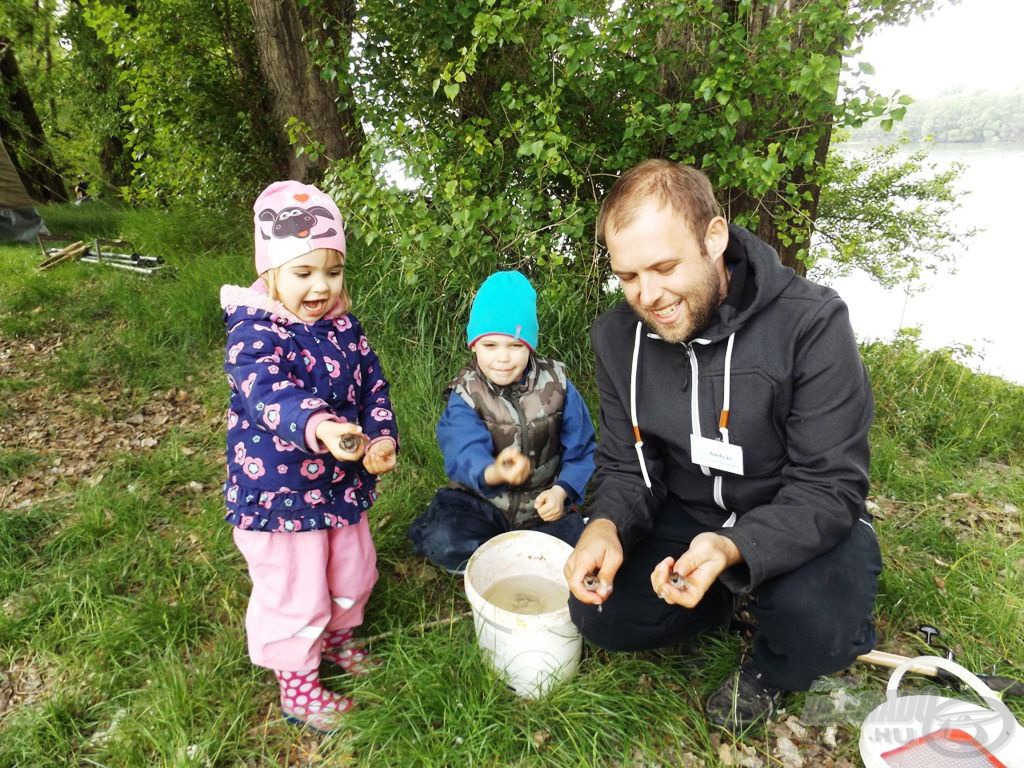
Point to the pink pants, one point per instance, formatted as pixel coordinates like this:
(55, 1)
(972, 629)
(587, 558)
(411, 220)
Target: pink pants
(302, 584)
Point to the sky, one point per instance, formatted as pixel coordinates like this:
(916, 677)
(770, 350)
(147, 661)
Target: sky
(975, 43)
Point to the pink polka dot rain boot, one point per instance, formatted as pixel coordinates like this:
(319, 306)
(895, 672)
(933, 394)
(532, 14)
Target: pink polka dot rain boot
(305, 702)
(341, 650)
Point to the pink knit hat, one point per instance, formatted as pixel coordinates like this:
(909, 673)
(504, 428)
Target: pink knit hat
(293, 219)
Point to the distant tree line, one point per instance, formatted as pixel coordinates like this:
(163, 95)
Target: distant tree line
(961, 117)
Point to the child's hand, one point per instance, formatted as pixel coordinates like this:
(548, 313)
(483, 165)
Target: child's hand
(550, 505)
(380, 457)
(345, 441)
(509, 467)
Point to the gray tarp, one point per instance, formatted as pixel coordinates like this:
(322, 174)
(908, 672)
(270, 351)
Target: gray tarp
(18, 218)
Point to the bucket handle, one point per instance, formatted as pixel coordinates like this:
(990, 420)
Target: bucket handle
(976, 683)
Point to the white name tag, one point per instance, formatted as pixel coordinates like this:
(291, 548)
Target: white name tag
(715, 454)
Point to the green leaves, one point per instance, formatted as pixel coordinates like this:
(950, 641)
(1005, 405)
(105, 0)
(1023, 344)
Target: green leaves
(544, 103)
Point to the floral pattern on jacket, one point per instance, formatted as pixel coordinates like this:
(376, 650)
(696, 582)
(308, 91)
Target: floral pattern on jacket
(281, 372)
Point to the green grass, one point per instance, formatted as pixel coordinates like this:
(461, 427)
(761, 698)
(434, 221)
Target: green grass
(121, 635)
(14, 461)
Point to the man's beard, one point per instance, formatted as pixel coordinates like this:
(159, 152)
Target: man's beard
(698, 307)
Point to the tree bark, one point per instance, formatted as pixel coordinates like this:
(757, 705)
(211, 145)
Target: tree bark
(758, 16)
(34, 160)
(296, 87)
(255, 93)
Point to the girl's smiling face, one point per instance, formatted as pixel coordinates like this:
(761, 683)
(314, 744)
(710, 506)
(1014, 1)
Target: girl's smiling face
(309, 285)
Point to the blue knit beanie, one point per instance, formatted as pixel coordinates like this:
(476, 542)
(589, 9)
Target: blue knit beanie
(507, 304)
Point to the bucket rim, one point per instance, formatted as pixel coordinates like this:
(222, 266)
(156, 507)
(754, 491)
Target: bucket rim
(500, 616)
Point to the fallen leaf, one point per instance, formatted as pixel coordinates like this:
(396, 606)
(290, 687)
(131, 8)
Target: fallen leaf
(796, 728)
(789, 753)
(828, 738)
(725, 755)
(747, 757)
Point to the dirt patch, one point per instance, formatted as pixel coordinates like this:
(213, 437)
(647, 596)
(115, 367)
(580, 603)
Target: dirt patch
(24, 682)
(70, 438)
(965, 514)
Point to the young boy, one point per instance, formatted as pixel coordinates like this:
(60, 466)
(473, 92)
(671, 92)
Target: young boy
(516, 436)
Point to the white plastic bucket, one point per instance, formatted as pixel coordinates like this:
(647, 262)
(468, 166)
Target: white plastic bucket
(532, 651)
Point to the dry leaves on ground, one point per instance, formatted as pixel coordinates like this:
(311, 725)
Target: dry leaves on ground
(73, 436)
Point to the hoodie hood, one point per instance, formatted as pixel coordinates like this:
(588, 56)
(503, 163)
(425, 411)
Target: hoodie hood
(235, 298)
(765, 278)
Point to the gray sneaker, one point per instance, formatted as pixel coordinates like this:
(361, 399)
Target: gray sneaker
(744, 699)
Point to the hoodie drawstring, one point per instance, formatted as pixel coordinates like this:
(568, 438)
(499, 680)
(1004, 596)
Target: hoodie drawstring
(639, 444)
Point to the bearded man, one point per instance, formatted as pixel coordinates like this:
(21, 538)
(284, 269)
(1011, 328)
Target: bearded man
(733, 451)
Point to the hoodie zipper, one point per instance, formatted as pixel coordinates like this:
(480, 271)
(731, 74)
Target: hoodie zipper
(718, 493)
(517, 496)
(694, 400)
(723, 423)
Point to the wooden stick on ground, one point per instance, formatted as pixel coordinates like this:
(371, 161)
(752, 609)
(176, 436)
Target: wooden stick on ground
(1006, 686)
(72, 251)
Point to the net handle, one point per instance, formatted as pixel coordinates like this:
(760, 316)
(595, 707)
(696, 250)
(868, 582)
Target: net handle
(975, 682)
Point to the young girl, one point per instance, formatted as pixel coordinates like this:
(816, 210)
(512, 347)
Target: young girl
(309, 428)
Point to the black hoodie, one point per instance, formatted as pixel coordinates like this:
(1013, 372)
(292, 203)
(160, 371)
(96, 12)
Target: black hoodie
(800, 407)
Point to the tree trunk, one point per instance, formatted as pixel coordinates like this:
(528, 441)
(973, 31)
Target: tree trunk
(252, 84)
(99, 72)
(295, 84)
(757, 17)
(767, 230)
(25, 138)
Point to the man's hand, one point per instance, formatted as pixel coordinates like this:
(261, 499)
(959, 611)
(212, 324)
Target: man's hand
(709, 554)
(333, 433)
(550, 504)
(510, 467)
(598, 554)
(381, 456)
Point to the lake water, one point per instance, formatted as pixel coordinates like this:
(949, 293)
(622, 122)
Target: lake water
(982, 304)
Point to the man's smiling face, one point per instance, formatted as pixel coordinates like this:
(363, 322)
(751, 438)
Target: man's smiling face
(668, 276)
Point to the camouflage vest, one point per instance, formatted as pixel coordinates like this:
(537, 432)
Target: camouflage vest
(527, 415)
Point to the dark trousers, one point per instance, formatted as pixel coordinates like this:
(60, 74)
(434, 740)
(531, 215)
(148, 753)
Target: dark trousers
(812, 621)
(457, 522)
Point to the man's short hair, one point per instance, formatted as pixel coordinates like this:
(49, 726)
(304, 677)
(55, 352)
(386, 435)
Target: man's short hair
(685, 190)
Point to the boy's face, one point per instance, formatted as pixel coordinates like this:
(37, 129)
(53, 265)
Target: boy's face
(501, 358)
(310, 285)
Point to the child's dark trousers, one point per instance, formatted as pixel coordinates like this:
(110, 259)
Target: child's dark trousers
(457, 522)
